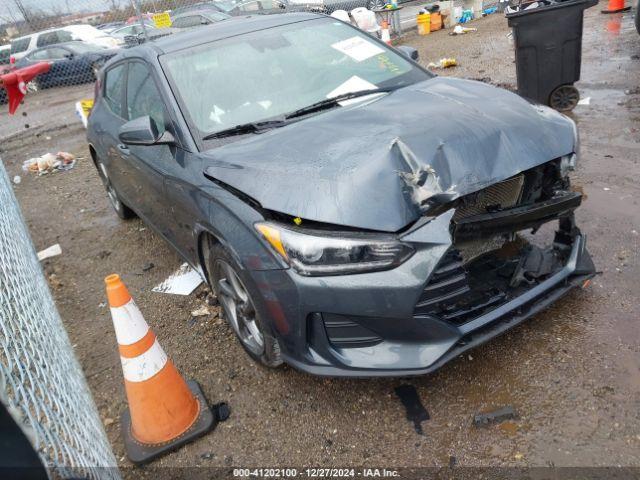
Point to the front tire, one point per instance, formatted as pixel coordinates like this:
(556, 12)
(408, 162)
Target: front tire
(239, 307)
(122, 210)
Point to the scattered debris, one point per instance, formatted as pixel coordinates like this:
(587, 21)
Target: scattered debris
(49, 163)
(444, 63)
(52, 251)
(212, 300)
(200, 312)
(181, 282)
(497, 416)
(54, 281)
(17, 179)
(83, 108)
(415, 410)
(460, 30)
(147, 267)
(108, 421)
(518, 456)
(585, 101)
(222, 410)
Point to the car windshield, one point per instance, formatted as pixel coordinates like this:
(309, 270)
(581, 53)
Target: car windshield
(273, 72)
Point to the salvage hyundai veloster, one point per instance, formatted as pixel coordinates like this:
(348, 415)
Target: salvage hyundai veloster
(355, 214)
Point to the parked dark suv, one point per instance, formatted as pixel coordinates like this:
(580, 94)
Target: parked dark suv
(354, 214)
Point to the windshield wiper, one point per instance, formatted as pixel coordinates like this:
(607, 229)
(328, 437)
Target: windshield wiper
(259, 127)
(253, 127)
(334, 101)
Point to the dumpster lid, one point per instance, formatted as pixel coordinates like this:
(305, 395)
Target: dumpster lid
(583, 4)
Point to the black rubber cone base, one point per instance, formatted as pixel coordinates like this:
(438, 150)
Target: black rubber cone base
(625, 9)
(140, 453)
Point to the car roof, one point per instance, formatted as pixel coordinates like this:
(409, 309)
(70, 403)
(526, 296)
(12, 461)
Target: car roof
(230, 27)
(201, 11)
(65, 27)
(5, 47)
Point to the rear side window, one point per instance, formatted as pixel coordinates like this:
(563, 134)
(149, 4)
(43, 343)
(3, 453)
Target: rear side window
(57, 53)
(113, 88)
(51, 38)
(20, 45)
(39, 55)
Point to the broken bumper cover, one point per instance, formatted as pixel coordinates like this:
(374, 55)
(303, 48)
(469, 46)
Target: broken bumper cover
(366, 325)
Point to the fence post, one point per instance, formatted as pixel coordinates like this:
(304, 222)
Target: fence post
(41, 382)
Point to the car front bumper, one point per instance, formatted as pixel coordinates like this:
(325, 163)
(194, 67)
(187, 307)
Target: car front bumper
(369, 325)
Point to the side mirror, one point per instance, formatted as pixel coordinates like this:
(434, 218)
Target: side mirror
(143, 131)
(409, 52)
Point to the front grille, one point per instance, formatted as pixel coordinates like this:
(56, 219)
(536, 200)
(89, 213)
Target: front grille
(501, 195)
(458, 292)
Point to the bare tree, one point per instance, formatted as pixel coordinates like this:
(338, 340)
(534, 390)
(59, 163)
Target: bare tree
(113, 5)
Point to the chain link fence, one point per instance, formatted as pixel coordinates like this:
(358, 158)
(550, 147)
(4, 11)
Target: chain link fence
(77, 38)
(41, 383)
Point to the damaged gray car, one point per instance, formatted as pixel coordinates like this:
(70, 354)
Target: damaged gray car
(354, 214)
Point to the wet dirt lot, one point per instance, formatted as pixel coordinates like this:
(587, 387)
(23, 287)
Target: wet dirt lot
(572, 372)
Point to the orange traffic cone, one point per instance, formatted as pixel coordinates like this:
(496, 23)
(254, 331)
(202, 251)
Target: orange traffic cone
(385, 35)
(164, 411)
(616, 6)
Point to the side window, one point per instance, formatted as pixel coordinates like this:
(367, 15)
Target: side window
(48, 38)
(65, 36)
(56, 53)
(143, 97)
(113, 89)
(4, 56)
(39, 55)
(20, 45)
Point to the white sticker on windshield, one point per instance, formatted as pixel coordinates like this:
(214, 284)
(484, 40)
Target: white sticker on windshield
(354, 84)
(358, 48)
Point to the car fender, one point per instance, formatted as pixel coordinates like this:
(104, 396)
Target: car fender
(230, 222)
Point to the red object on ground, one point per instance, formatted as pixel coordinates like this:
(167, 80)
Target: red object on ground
(15, 82)
(616, 6)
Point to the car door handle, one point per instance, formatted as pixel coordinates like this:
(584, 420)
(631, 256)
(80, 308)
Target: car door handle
(123, 149)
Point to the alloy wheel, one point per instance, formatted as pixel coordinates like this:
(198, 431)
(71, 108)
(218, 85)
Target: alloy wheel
(238, 307)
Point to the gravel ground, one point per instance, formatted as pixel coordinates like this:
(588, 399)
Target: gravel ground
(572, 372)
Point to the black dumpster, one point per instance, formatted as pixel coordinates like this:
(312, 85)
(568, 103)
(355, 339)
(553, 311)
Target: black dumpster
(548, 44)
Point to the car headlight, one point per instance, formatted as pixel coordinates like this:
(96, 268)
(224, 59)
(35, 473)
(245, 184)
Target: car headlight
(316, 253)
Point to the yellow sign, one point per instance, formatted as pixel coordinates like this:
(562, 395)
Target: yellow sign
(162, 20)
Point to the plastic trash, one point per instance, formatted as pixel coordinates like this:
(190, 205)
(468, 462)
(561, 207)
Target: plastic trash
(49, 163)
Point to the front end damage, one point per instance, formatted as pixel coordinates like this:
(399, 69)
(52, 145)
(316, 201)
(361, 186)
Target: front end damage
(502, 247)
(483, 264)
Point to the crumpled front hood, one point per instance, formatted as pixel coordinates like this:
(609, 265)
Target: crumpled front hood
(373, 164)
